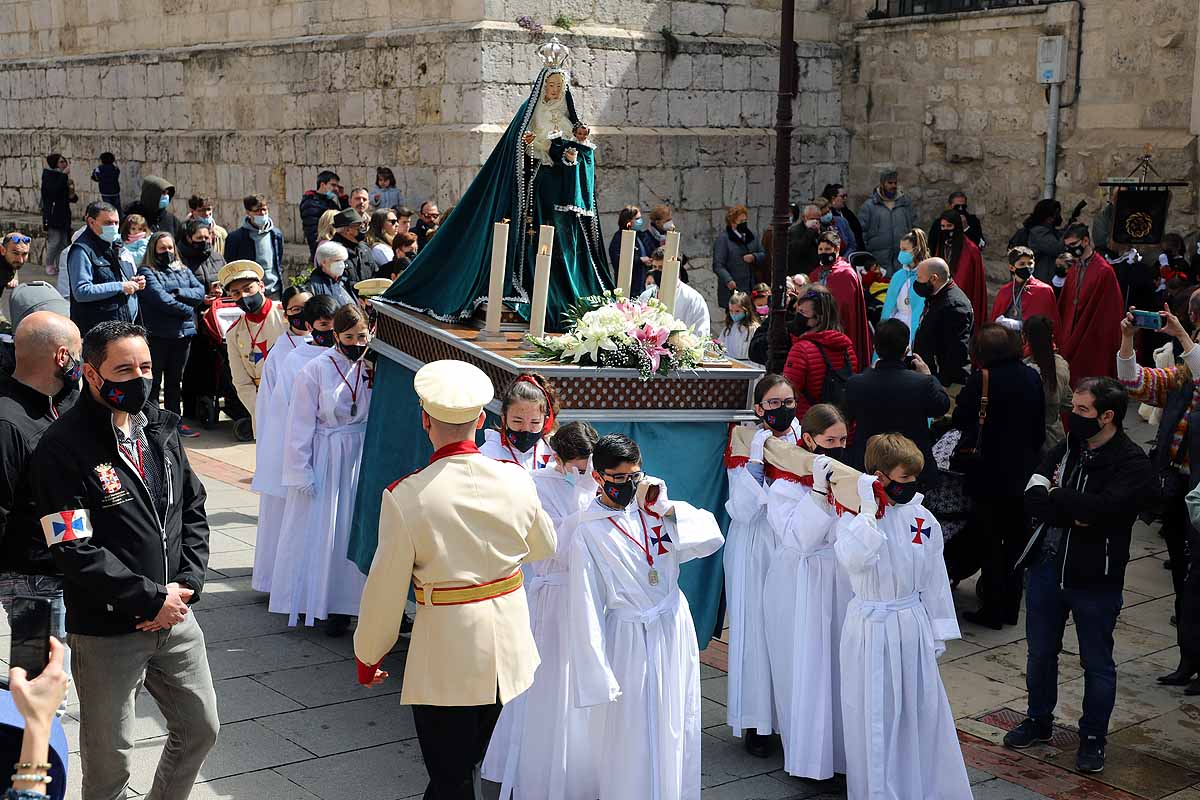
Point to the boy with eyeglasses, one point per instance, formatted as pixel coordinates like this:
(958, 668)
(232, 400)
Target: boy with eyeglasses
(632, 642)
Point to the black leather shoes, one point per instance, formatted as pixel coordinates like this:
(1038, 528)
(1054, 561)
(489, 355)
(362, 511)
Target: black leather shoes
(1193, 688)
(337, 625)
(758, 745)
(983, 619)
(1180, 677)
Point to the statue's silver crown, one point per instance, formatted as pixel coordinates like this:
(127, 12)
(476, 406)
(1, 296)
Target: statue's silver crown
(554, 54)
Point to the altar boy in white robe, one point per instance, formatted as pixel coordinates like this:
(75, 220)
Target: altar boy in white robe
(633, 645)
(901, 743)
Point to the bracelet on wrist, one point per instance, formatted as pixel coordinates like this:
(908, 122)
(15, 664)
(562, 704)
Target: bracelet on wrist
(27, 765)
(45, 779)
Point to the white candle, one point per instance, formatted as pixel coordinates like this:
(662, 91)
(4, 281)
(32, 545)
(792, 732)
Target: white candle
(625, 272)
(670, 283)
(672, 249)
(495, 304)
(541, 281)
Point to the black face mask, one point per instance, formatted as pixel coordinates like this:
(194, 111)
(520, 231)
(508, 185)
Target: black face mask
(836, 453)
(1057, 221)
(352, 351)
(778, 419)
(798, 325)
(1075, 250)
(129, 396)
(358, 237)
(826, 259)
(322, 338)
(901, 493)
(203, 248)
(1083, 427)
(961, 208)
(71, 370)
(522, 440)
(620, 493)
(1022, 273)
(922, 289)
(743, 228)
(297, 321)
(251, 303)
(163, 260)
(1061, 270)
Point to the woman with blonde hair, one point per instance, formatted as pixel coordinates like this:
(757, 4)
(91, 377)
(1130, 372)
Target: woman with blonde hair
(324, 230)
(902, 302)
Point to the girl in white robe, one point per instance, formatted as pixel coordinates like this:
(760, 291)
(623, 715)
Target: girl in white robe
(543, 747)
(327, 421)
(749, 551)
(268, 445)
(901, 743)
(805, 601)
(527, 410)
(633, 644)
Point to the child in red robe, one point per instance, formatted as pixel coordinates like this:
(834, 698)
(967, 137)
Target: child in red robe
(1091, 309)
(844, 283)
(1024, 296)
(964, 258)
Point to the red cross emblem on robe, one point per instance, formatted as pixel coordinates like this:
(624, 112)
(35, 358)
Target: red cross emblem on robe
(918, 529)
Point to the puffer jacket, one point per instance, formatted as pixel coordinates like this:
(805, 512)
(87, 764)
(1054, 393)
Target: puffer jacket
(312, 206)
(806, 369)
(204, 267)
(170, 300)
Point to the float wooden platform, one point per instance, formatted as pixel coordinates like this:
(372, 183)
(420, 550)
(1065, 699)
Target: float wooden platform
(720, 391)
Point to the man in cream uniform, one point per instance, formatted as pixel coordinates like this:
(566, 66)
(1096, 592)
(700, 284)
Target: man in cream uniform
(458, 530)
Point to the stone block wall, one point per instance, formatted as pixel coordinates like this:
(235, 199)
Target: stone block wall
(951, 100)
(691, 128)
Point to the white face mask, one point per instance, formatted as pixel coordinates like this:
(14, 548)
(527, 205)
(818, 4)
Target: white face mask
(335, 269)
(669, 225)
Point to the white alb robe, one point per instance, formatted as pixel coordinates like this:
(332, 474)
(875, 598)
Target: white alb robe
(322, 445)
(749, 551)
(537, 457)
(901, 743)
(634, 651)
(543, 747)
(805, 598)
(690, 308)
(275, 387)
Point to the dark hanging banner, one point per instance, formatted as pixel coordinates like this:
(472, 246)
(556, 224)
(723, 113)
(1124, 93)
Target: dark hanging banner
(1140, 215)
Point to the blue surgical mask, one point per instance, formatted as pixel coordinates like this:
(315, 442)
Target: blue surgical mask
(260, 220)
(164, 201)
(209, 221)
(137, 248)
(737, 316)
(110, 233)
(639, 225)
(905, 258)
(332, 195)
(827, 217)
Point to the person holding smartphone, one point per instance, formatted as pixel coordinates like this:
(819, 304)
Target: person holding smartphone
(37, 699)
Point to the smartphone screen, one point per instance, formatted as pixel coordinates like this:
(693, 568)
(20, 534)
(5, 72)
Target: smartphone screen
(1150, 320)
(30, 623)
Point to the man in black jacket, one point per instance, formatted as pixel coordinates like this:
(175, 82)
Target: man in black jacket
(44, 384)
(943, 337)
(154, 205)
(1084, 499)
(57, 195)
(894, 396)
(316, 202)
(350, 231)
(123, 515)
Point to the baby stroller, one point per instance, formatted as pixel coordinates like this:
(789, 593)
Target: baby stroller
(210, 380)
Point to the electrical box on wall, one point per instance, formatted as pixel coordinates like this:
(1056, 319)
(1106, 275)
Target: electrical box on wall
(1052, 59)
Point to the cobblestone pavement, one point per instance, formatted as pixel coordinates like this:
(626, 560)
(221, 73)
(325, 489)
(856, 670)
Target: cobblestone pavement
(296, 725)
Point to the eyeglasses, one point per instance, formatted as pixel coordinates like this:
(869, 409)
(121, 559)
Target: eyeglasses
(391, 220)
(771, 405)
(16, 238)
(623, 477)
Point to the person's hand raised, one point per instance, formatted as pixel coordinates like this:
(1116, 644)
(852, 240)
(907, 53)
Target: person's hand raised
(38, 699)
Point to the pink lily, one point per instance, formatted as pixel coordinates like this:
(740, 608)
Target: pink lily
(652, 342)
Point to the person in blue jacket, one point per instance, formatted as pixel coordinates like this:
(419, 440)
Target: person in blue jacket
(902, 302)
(169, 304)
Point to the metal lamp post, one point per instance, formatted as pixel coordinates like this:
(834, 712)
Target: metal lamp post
(780, 341)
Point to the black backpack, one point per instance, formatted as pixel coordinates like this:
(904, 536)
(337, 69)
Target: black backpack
(833, 387)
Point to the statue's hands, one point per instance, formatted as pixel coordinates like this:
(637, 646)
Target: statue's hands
(582, 133)
(570, 156)
(528, 139)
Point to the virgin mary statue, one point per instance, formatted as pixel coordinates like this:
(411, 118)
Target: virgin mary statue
(542, 172)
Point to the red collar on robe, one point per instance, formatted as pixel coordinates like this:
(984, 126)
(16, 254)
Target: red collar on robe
(1038, 298)
(454, 449)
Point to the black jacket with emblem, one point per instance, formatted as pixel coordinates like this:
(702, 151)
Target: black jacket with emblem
(116, 577)
(25, 414)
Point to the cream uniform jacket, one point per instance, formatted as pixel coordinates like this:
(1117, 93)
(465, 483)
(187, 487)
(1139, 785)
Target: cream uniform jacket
(465, 520)
(248, 342)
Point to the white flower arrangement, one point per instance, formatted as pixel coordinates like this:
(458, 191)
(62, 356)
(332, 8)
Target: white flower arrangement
(610, 331)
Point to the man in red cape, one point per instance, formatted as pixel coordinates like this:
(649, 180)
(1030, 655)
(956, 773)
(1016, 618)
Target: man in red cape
(1024, 296)
(843, 282)
(1091, 309)
(964, 258)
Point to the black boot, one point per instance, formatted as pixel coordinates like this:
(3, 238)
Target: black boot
(983, 619)
(1193, 688)
(757, 745)
(1180, 677)
(337, 625)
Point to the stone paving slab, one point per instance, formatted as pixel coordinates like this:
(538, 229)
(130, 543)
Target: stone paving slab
(344, 727)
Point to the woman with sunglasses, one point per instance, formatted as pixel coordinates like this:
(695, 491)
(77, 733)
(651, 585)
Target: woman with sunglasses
(385, 224)
(749, 550)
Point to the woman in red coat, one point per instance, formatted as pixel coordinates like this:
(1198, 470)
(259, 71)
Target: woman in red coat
(817, 340)
(964, 258)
